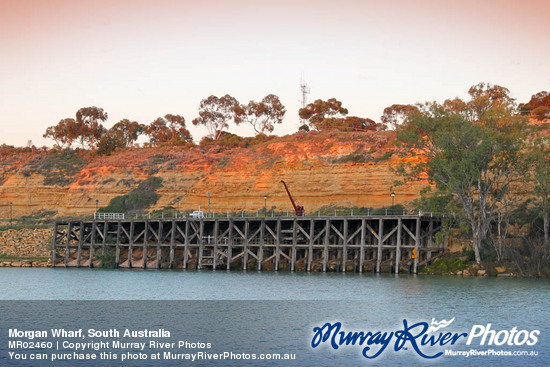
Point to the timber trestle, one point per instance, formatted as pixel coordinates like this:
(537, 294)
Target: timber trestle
(353, 244)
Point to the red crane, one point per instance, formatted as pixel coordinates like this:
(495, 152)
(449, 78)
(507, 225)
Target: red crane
(300, 211)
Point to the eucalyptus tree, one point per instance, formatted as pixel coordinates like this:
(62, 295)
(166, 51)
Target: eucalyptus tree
(471, 152)
(265, 114)
(215, 113)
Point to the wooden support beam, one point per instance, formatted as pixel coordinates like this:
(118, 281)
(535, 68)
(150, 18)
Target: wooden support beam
(273, 234)
(262, 243)
(117, 249)
(145, 242)
(79, 249)
(54, 244)
(318, 235)
(230, 245)
(215, 254)
(409, 232)
(325, 249)
(159, 241)
(310, 242)
(337, 231)
(372, 231)
(104, 238)
(182, 232)
(301, 229)
(245, 250)
(201, 244)
(294, 239)
(398, 249)
(357, 231)
(238, 230)
(430, 239)
(172, 243)
(278, 245)
(92, 243)
(131, 245)
(417, 245)
(389, 234)
(362, 251)
(345, 246)
(186, 245)
(380, 236)
(431, 230)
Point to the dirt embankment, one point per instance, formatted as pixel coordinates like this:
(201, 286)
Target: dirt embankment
(321, 169)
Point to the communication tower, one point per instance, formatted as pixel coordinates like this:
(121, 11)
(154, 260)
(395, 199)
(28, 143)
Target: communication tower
(304, 88)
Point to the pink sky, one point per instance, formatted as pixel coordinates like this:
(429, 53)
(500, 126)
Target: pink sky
(144, 59)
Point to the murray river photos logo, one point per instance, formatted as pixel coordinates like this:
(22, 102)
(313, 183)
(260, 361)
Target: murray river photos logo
(426, 339)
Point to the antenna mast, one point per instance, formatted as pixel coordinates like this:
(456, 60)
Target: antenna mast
(304, 89)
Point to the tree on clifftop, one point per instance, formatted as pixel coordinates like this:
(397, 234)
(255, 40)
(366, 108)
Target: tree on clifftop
(264, 114)
(64, 133)
(168, 129)
(123, 134)
(319, 114)
(91, 130)
(216, 114)
(397, 114)
(127, 131)
(538, 106)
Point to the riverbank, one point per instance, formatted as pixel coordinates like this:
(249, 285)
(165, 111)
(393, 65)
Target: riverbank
(458, 264)
(25, 263)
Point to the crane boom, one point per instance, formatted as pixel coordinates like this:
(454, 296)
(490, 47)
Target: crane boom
(298, 209)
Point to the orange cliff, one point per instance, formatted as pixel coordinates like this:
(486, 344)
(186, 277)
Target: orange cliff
(340, 169)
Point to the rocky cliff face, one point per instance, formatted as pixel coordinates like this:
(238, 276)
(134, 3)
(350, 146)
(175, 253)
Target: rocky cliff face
(341, 169)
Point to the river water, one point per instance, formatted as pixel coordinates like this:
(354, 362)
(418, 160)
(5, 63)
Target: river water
(278, 311)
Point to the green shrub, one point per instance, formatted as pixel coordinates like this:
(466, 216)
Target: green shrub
(353, 157)
(107, 258)
(383, 157)
(58, 168)
(447, 265)
(136, 200)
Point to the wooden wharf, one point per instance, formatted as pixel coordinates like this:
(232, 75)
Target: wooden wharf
(376, 243)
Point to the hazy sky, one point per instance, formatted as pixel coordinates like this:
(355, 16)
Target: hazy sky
(143, 59)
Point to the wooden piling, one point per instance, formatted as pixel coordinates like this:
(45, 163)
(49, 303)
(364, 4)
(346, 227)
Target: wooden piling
(79, 249)
(159, 241)
(117, 248)
(131, 244)
(417, 245)
(278, 246)
(67, 244)
(262, 244)
(92, 244)
(172, 244)
(380, 235)
(362, 250)
(215, 254)
(54, 244)
(186, 246)
(398, 249)
(145, 241)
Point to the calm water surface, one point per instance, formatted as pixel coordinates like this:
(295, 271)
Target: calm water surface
(408, 291)
(300, 301)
